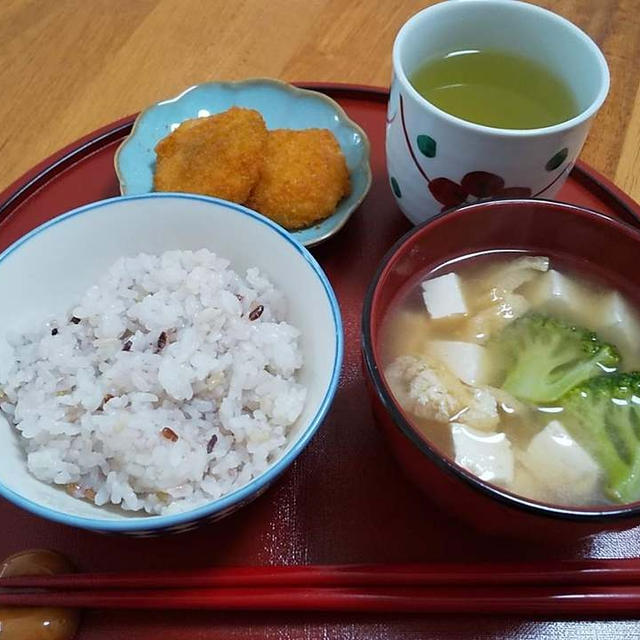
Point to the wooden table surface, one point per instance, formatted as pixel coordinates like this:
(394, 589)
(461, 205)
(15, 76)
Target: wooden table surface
(68, 67)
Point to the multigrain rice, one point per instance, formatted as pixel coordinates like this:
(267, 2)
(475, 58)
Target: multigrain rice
(171, 383)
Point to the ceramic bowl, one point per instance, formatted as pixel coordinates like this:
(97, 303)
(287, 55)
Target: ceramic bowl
(46, 272)
(281, 106)
(584, 239)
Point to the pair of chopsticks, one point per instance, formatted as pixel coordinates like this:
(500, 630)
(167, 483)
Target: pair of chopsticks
(587, 588)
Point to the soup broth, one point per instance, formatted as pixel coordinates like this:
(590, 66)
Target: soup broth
(479, 356)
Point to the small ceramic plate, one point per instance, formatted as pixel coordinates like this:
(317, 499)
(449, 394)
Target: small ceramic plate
(281, 106)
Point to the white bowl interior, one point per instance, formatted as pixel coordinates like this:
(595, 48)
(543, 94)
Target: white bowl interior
(51, 269)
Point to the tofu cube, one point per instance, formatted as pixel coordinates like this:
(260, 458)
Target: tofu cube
(550, 288)
(443, 296)
(466, 360)
(617, 322)
(527, 485)
(488, 456)
(559, 463)
(554, 293)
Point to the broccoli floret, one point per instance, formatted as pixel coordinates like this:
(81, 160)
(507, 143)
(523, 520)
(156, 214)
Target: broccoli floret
(603, 415)
(543, 357)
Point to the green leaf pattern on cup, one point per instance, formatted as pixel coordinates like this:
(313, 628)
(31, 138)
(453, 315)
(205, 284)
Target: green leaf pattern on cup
(556, 160)
(396, 187)
(475, 185)
(427, 146)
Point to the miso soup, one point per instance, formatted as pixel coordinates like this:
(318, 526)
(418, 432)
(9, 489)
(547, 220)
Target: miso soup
(523, 372)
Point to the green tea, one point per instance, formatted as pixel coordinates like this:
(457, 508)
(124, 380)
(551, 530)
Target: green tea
(496, 89)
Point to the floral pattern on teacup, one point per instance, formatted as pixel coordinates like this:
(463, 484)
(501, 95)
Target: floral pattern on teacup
(476, 185)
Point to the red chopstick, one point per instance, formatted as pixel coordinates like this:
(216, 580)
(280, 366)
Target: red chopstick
(550, 601)
(579, 573)
(585, 588)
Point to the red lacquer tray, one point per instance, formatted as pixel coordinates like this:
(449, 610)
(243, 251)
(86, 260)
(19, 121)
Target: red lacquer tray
(343, 500)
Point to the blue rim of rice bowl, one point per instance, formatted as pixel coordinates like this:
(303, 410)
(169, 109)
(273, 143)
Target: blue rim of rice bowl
(259, 483)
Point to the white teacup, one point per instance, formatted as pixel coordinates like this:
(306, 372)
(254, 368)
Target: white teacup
(436, 160)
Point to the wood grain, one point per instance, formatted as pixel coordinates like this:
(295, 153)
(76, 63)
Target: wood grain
(70, 66)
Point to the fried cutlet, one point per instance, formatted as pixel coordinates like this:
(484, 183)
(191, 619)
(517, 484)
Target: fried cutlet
(219, 155)
(304, 175)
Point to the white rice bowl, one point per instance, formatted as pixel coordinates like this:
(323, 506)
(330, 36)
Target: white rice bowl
(178, 384)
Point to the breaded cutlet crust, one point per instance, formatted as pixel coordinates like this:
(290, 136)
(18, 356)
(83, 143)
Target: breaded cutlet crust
(303, 177)
(220, 155)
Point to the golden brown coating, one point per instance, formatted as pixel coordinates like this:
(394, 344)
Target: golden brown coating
(303, 177)
(217, 156)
